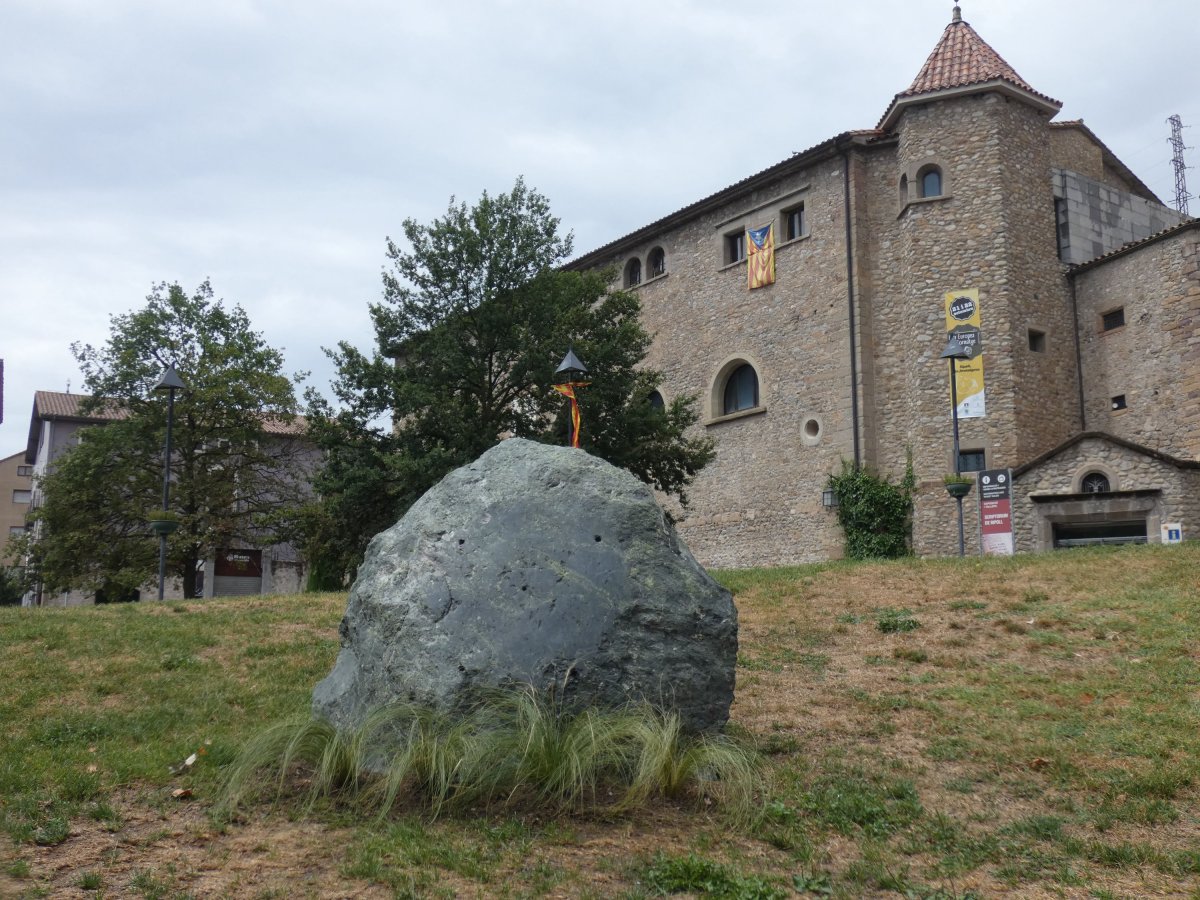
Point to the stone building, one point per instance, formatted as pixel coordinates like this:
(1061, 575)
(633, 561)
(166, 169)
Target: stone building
(1086, 287)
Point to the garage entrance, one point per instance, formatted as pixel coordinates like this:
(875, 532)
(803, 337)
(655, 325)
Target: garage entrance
(237, 572)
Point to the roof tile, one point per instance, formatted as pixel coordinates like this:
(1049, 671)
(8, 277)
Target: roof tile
(55, 405)
(962, 59)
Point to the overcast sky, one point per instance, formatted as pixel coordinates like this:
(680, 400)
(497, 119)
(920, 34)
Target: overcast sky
(272, 146)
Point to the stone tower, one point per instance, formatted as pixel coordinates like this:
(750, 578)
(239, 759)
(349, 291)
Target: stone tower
(974, 193)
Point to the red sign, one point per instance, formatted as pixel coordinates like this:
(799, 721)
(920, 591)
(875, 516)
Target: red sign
(995, 512)
(239, 563)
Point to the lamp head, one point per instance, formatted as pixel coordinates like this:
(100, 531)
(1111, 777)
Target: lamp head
(170, 381)
(571, 368)
(955, 349)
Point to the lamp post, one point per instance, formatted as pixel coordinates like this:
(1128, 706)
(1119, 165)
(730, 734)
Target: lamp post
(955, 351)
(170, 382)
(571, 374)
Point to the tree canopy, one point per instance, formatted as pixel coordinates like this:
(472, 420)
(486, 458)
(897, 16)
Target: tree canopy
(237, 467)
(475, 317)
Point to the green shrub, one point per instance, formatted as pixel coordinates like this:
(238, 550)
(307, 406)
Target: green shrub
(875, 514)
(12, 586)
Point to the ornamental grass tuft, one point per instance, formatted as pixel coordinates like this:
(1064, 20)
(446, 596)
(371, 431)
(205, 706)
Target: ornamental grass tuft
(514, 748)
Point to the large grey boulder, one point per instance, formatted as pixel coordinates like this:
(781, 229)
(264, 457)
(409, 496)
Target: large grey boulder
(540, 565)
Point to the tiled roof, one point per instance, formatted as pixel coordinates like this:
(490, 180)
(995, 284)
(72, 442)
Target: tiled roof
(796, 161)
(53, 405)
(57, 406)
(963, 59)
(275, 425)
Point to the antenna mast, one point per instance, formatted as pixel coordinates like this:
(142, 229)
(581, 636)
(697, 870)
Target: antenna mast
(1181, 193)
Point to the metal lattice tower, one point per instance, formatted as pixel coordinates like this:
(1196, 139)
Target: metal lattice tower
(1181, 193)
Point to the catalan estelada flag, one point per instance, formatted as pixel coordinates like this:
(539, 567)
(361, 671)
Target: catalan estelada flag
(760, 260)
(568, 391)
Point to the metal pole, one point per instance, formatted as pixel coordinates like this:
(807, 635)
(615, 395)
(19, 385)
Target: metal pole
(162, 538)
(957, 454)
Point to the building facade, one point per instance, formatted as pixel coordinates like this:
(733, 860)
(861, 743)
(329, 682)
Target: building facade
(16, 494)
(1087, 298)
(240, 568)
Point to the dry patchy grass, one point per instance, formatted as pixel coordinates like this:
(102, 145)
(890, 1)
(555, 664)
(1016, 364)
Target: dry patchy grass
(933, 729)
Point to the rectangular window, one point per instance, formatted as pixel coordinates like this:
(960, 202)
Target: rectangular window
(794, 222)
(1118, 402)
(25, 471)
(735, 247)
(21, 496)
(970, 461)
(15, 531)
(1037, 340)
(1114, 319)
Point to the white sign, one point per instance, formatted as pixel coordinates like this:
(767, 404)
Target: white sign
(1172, 533)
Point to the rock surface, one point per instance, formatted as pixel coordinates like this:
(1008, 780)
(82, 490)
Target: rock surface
(541, 565)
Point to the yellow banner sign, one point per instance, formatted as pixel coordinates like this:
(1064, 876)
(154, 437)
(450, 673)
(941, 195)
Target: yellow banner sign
(962, 320)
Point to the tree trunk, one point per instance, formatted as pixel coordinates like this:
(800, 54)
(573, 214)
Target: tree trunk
(189, 576)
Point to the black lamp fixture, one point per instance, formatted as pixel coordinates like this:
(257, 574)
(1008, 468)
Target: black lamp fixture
(571, 369)
(954, 351)
(169, 382)
(571, 374)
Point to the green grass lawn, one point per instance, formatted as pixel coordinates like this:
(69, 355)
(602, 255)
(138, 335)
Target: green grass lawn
(931, 729)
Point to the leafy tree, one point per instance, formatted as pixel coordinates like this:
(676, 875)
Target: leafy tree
(236, 464)
(476, 316)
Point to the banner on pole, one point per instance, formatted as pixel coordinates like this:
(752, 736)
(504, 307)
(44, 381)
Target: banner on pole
(962, 320)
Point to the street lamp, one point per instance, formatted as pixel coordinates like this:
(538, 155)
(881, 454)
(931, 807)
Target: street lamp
(170, 382)
(571, 374)
(955, 351)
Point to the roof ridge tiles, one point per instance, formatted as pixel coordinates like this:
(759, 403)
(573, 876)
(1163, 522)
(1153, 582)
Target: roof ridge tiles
(962, 59)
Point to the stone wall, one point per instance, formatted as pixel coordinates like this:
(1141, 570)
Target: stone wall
(1153, 360)
(1071, 148)
(759, 501)
(1177, 500)
(1037, 297)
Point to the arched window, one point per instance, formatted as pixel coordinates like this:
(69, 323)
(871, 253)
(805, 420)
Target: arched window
(741, 390)
(656, 401)
(657, 262)
(931, 182)
(1094, 483)
(633, 272)
(903, 188)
